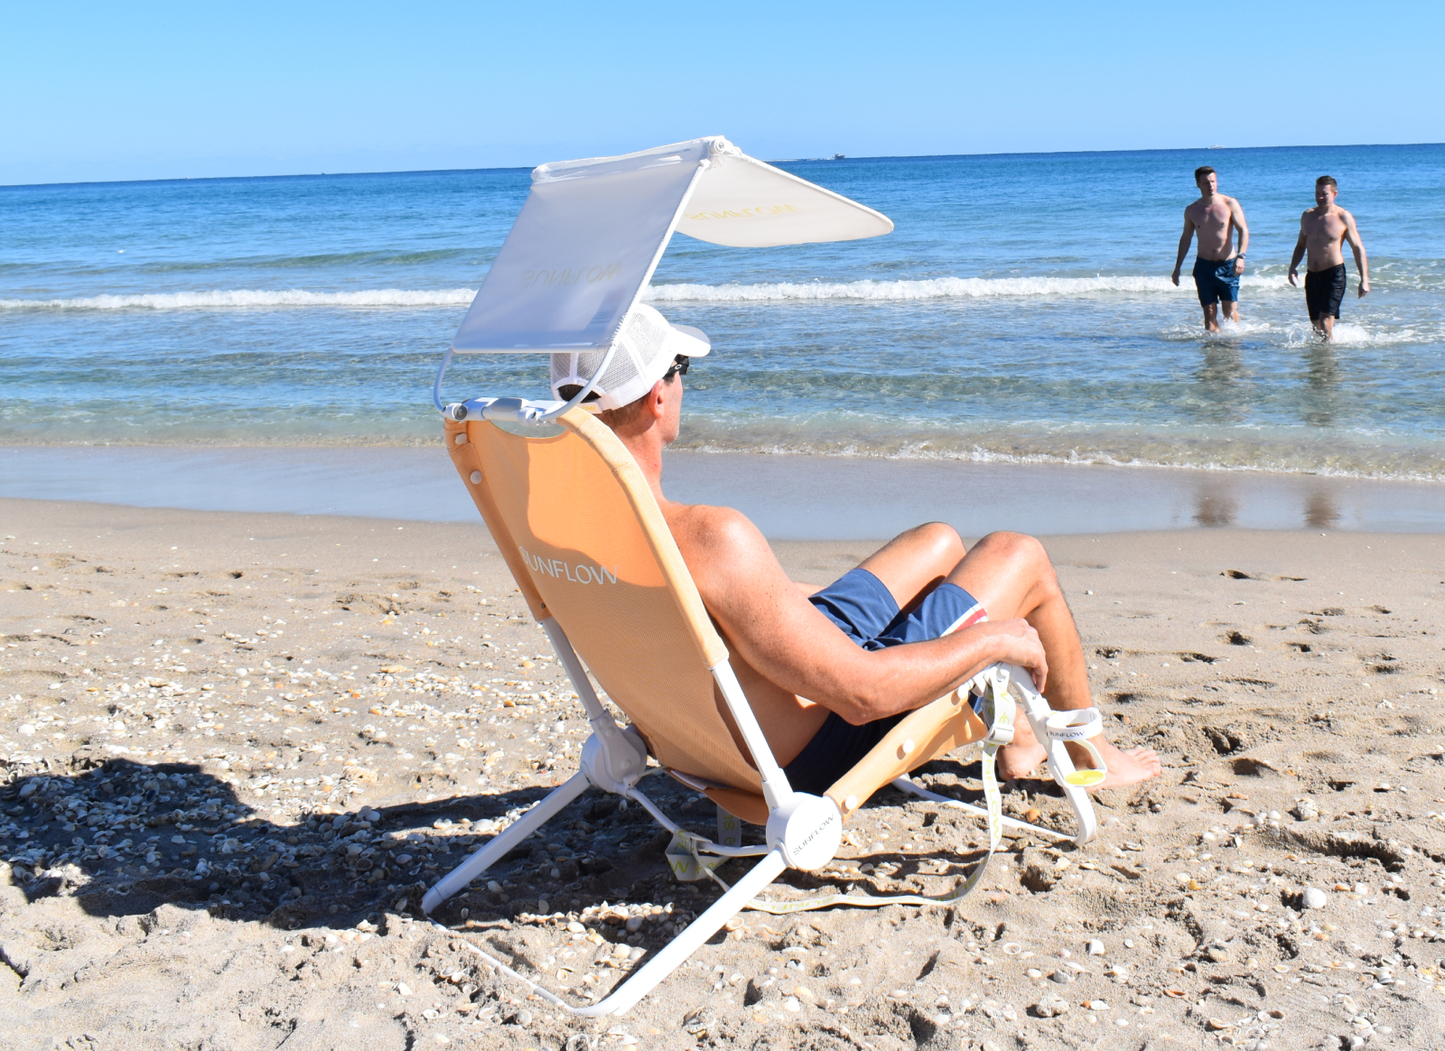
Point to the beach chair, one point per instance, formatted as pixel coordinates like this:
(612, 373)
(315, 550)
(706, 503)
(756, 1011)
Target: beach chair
(593, 558)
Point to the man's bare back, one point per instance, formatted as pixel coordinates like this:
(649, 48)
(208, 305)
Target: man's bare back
(796, 666)
(1216, 219)
(1324, 229)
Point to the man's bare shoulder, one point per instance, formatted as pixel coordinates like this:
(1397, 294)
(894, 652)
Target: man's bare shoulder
(707, 534)
(723, 550)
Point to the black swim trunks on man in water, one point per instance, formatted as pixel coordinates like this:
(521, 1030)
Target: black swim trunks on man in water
(1324, 291)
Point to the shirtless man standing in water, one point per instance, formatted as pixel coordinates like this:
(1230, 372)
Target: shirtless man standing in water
(1322, 231)
(1216, 218)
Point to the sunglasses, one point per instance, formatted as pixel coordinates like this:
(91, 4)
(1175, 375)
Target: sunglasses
(679, 367)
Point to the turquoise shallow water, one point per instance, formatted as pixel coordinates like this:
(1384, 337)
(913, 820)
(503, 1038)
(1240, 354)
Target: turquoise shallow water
(1019, 313)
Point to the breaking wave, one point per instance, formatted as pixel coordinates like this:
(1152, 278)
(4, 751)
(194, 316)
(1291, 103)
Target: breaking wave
(1342, 457)
(934, 288)
(293, 297)
(938, 288)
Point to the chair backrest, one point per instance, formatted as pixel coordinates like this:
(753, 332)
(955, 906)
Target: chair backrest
(584, 538)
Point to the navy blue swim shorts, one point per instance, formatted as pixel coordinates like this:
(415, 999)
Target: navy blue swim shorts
(1215, 279)
(865, 610)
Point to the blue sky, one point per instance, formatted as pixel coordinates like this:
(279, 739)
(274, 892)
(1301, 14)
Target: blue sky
(155, 90)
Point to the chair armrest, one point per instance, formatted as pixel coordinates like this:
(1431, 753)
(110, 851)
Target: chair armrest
(924, 734)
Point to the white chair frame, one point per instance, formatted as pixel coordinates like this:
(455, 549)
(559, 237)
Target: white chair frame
(803, 831)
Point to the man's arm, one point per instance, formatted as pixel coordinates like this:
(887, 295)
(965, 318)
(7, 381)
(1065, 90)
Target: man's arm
(1358, 247)
(1237, 211)
(1299, 253)
(1184, 239)
(784, 637)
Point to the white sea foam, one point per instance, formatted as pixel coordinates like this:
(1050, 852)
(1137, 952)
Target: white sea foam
(1409, 466)
(1350, 334)
(292, 297)
(1300, 333)
(939, 288)
(933, 288)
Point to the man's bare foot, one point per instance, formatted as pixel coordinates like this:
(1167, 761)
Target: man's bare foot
(1126, 767)
(1025, 753)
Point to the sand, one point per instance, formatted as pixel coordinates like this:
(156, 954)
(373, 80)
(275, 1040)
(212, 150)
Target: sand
(237, 747)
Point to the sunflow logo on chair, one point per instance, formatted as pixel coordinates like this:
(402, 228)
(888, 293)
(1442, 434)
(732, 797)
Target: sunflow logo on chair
(745, 213)
(581, 573)
(590, 274)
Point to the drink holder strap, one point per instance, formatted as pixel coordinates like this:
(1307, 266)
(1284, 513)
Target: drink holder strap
(1078, 727)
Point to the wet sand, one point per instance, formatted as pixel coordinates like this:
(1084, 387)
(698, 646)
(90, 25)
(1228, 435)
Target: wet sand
(800, 497)
(236, 747)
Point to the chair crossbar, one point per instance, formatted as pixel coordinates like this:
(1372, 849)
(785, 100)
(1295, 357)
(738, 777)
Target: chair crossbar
(703, 844)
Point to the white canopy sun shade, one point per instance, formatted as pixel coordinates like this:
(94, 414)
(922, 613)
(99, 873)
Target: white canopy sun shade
(592, 231)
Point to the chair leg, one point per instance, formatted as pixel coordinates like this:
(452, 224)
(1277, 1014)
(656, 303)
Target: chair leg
(681, 947)
(457, 879)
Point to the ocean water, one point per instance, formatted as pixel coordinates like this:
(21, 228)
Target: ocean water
(1020, 313)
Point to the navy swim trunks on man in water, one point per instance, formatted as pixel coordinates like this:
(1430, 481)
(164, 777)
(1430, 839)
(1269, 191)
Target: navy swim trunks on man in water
(1324, 291)
(1215, 279)
(865, 610)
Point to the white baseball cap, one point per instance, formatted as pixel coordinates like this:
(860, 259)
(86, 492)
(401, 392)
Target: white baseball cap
(647, 343)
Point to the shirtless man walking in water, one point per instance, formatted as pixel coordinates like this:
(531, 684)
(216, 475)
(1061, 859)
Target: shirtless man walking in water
(1216, 218)
(1322, 231)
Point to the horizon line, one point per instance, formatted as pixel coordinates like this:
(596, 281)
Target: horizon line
(784, 160)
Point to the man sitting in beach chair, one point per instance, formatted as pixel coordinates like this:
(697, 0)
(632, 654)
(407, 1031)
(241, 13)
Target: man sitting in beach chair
(829, 671)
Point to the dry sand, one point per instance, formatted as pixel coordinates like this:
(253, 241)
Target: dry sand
(236, 747)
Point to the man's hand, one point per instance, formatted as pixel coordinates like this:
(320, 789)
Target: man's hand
(1185, 239)
(1293, 277)
(1239, 264)
(1364, 289)
(1019, 644)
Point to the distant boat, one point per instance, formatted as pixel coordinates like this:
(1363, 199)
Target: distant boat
(1217, 147)
(839, 157)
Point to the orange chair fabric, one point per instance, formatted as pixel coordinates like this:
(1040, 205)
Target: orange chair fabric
(584, 537)
(587, 544)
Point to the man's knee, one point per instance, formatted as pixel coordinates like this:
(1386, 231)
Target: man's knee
(942, 540)
(1025, 555)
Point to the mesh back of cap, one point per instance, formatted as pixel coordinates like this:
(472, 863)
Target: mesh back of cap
(639, 362)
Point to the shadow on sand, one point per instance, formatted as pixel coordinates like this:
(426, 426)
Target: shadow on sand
(124, 838)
